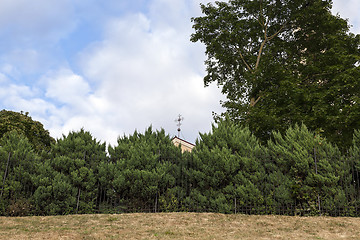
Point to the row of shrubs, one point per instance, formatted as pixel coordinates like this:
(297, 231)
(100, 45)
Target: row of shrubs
(229, 171)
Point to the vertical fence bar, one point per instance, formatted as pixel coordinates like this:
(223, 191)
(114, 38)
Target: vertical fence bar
(78, 200)
(235, 205)
(316, 172)
(156, 200)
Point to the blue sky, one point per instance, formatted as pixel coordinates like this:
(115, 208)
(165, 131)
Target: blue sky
(110, 66)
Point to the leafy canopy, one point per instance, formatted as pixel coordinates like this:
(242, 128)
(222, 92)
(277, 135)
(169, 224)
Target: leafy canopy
(39, 138)
(281, 62)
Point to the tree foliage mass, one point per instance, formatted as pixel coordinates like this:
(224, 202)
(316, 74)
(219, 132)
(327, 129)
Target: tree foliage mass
(282, 62)
(39, 138)
(229, 171)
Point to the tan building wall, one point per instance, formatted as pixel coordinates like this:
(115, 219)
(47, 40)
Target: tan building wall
(185, 146)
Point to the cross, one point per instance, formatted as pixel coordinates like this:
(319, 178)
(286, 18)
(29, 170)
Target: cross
(179, 119)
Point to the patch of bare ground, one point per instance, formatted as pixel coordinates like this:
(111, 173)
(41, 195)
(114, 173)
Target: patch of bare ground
(178, 226)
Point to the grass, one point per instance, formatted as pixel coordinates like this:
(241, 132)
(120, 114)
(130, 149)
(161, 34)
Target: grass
(178, 226)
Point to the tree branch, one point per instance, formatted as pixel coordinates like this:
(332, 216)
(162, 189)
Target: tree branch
(261, 17)
(275, 34)
(243, 59)
(266, 39)
(253, 101)
(260, 52)
(261, 23)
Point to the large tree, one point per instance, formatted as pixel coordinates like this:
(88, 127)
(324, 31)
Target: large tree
(281, 62)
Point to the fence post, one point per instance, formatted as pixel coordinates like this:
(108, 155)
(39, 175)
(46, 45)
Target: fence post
(156, 200)
(235, 205)
(78, 200)
(316, 172)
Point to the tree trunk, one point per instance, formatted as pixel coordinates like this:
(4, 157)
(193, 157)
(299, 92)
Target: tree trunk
(6, 170)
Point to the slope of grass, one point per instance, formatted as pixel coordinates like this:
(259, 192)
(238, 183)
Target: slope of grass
(178, 226)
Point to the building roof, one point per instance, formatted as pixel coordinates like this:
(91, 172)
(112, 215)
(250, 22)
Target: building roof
(183, 140)
(185, 145)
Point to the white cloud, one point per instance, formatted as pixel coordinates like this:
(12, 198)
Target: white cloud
(66, 87)
(348, 9)
(144, 69)
(19, 97)
(74, 106)
(149, 72)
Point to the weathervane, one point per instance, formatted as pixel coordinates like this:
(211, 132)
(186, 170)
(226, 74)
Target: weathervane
(179, 119)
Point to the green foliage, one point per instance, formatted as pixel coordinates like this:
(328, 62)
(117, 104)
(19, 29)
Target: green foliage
(354, 160)
(296, 172)
(18, 162)
(355, 148)
(309, 166)
(229, 166)
(67, 182)
(78, 155)
(80, 145)
(39, 138)
(144, 166)
(55, 195)
(281, 63)
(168, 202)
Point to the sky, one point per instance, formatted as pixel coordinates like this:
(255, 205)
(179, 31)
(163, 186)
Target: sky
(111, 66)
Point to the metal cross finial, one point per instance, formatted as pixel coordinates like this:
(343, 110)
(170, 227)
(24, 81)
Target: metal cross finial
(179, 119)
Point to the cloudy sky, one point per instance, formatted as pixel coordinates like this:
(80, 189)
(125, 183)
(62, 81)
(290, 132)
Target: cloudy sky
(110, 66)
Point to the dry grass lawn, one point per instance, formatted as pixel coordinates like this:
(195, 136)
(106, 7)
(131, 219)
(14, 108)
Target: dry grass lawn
(178, 226)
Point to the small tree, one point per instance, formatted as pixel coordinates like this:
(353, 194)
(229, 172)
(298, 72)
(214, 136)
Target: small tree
(79, 155)
(311, 169)
(16, 171)
(68, 182)
(145, 166)
(228, 168)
